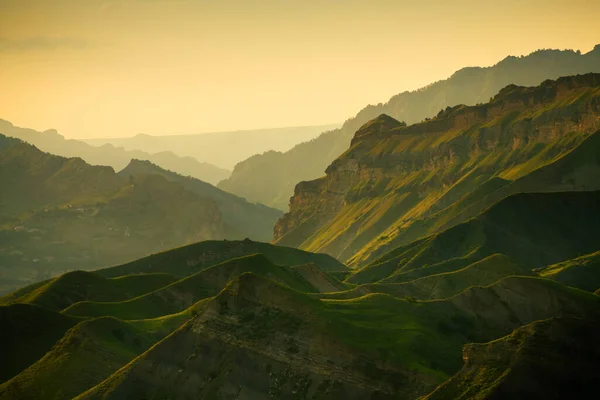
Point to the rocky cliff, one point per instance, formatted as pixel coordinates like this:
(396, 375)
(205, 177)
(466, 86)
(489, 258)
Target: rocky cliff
(393, 178)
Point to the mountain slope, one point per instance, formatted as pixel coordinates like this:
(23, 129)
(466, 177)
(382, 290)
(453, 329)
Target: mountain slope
(182, 294)
(270, 178)
(21, 343)
(223, 149)
(581, 272)
(259, 340)
(116, 157)
(532, 229)
(191, 259)
(61, 214)
(254, 221)
(550, 359)
(76, 286)
(443, 285)
(382, 191)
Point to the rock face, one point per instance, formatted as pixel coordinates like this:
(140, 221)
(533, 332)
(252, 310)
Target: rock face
(269, 178)
(381, 192)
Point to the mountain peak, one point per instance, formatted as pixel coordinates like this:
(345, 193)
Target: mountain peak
(383, 123)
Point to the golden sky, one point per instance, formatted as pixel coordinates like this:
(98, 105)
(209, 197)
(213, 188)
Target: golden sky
(109, 68)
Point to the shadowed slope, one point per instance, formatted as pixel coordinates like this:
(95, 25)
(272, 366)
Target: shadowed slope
(533, 229)
(581, 272)
(551, 359)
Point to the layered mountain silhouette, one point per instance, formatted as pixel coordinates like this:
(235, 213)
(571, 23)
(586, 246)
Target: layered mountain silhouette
(117, 157)
(58, 214)
(399, 184)
(224, 149)
(270, 178)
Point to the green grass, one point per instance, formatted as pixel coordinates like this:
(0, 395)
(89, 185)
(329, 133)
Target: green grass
(443, 285)
(581, 272)
(27, 332)
(76, 286)
(183, 293)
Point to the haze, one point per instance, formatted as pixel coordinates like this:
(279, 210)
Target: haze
(117, 68)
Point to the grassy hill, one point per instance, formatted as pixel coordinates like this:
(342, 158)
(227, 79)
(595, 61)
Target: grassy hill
(182, 294)
(245, 219)
(549, 359)
(397, 184)
(27, 333)
(443, 285)
(280, 342)
(581, 272)
(187, 260)
(270, 178)
(72, 287)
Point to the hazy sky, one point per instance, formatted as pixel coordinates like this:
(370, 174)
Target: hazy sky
(104, 68)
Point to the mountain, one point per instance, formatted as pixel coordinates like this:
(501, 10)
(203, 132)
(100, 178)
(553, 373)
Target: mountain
(224, 149)
(549, 359)
(60, 214)
(395, 183)
(441, 285)
(245, 219)
(279, 343)
(581, 272)
(532, 229)
(191, 259)
(117, 157)
(270, 178)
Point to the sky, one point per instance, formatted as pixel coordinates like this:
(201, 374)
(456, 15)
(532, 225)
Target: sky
(116, 68)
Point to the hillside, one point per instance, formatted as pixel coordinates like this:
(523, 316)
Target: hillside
(550, 359)
(182, 294)
(386, 190)
(280, 343)
(532, 229)
(60, 214)
(581, 272)
(223, 149)
(441, 285)
(270, 178)
(246, 220)
(116, 157)
(193, 258)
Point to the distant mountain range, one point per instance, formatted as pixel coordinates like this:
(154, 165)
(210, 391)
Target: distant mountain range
(270, 178)
(116, 157)
(224, 149)
(58, 214)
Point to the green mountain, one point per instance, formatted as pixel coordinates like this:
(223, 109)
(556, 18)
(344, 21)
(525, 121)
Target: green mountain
(193, 258)
(224, 149)
(532, 229)
(245, 219)
(73, 287)
(270, 178)
(280, 343)
(184, 293)
(441, 285)
(116, 157)
(397, 184)
(550, 359)
(59, 214)
(581, 272)
(22, 342)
